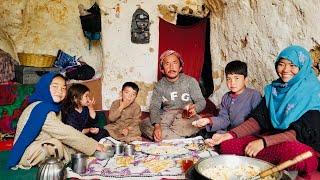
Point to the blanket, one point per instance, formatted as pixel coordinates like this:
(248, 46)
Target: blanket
(13, 99)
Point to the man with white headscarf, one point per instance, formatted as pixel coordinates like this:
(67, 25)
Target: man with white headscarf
(174, 92)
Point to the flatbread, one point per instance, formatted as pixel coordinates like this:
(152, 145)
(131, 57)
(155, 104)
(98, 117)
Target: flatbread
(166, 144)
(165, 150)
(124, 161)
(195, 147)
(137, 147)
(192, 146)
(158, 166)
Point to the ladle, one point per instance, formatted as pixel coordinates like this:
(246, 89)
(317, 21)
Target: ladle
(282, 166)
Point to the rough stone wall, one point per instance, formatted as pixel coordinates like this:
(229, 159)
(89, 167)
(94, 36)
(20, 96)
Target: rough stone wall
(44, 27)
(315, 54)
(7, 45)
(255, 32)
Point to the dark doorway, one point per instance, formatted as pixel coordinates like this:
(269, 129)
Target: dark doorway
(206, 82)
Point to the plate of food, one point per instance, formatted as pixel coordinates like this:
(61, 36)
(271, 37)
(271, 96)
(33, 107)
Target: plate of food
(195, 147)
(165, 150)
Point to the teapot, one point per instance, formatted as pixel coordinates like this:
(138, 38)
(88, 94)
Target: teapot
(52, 168)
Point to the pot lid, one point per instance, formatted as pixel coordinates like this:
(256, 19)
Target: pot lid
(51, 160)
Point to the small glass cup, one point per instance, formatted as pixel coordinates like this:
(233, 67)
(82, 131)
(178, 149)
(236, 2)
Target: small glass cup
(186, 164)
(186, 112)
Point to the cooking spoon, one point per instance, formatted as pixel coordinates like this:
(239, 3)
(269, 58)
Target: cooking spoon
(283, 165)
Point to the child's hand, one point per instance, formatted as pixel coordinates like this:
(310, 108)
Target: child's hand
(201, 122)
(124, 103)
(94, 130)
(91, 102)
(218, 138)
(85, 131)
(209, 142)
(125, 132)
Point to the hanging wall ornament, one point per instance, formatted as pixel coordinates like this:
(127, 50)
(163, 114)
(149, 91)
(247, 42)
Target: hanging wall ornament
(140, 32)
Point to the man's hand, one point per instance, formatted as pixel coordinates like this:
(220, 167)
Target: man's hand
(125, 132)
(218, 139)
(94, 130)
(191, 108)
(157, 134)
(254, 147)
(201, 122)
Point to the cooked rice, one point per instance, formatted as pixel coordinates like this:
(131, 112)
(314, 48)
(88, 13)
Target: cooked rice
(243, 172)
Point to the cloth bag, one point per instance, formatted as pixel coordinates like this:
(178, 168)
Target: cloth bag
(91, 24)
(6, 66)
(82, 72)
(65, 61)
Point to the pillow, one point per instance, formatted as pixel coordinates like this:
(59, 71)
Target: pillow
(65, 61)
(101, 119)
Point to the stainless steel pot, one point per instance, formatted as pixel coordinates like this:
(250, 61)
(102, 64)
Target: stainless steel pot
(233, 161)
(52, 168)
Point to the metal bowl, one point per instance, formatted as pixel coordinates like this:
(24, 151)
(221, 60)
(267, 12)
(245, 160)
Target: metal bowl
(233, 161)
(104, 155)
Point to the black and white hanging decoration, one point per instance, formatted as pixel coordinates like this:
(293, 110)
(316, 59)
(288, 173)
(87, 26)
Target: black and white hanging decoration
(140, 27)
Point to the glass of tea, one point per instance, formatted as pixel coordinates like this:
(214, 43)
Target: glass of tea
(186, 112)
(186, 164)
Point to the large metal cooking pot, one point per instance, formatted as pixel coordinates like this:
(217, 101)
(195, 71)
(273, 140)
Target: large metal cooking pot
(233, 161)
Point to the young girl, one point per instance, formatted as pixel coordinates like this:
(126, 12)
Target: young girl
(125, 115)
(79, 113)
(41, 123)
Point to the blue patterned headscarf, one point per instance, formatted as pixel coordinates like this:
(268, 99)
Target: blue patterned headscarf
(36, 119)
(287, 102)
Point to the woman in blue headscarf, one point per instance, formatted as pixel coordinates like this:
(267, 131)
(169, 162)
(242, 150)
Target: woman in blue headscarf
(41, 123)
(286, 123)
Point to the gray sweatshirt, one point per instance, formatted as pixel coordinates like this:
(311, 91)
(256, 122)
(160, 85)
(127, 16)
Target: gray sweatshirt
(172, 96)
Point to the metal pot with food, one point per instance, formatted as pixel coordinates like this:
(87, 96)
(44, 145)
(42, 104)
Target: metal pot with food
(233, 167)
